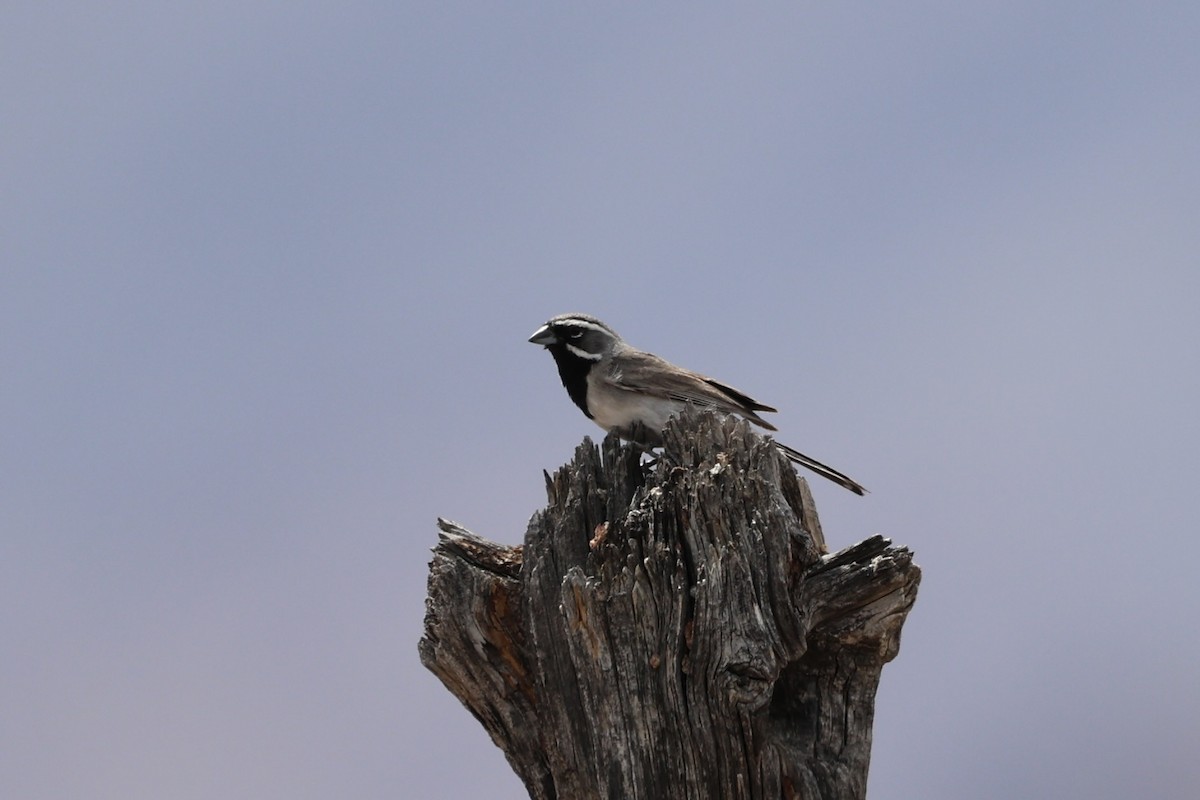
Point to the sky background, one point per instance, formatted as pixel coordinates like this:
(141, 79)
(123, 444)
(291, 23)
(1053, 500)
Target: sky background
(267, 274)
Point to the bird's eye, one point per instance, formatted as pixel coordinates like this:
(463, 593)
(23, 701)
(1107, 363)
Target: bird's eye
(576, 334)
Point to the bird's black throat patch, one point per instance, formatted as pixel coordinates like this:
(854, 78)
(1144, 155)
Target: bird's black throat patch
(573, 371)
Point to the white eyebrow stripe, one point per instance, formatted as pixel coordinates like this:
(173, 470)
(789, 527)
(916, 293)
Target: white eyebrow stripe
(575, 322)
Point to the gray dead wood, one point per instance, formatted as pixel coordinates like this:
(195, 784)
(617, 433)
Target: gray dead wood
(672, 632)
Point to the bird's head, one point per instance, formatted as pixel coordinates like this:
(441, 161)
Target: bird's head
(580, 335)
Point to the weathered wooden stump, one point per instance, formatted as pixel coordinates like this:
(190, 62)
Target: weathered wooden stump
(674, 631)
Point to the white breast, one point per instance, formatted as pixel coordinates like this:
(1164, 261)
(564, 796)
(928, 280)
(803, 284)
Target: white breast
(617, 409)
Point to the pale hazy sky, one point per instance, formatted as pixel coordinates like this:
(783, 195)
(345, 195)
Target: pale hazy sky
(268, 272)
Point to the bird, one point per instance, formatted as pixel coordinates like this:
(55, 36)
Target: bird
(621, 388)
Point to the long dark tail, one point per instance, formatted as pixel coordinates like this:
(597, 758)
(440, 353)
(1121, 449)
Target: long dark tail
(822, 470)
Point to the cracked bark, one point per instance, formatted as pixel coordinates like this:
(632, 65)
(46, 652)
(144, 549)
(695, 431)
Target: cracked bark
(672, 632)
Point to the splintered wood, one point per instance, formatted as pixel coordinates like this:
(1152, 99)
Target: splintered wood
(673, 631)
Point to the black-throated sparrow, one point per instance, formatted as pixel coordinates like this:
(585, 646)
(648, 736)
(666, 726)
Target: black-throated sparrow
(617, 385)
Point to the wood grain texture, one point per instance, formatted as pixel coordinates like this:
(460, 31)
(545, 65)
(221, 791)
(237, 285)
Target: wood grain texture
(674, 631)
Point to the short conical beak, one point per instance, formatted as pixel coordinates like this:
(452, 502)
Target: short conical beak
(543, 335)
